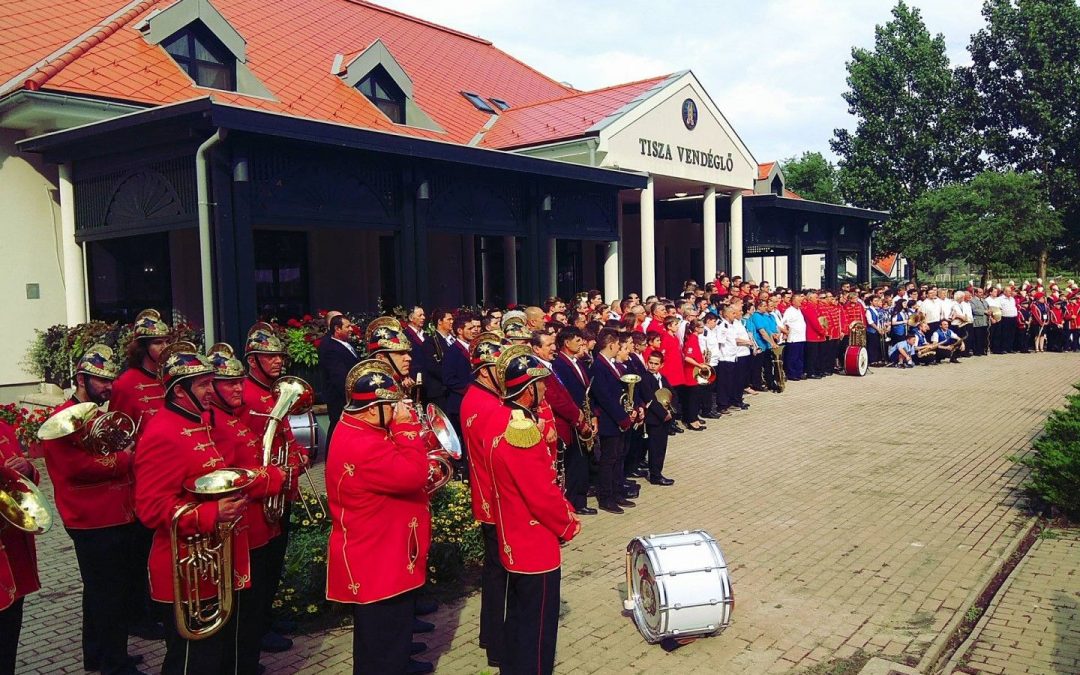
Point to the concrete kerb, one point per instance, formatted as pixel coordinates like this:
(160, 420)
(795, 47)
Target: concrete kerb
(937, 649)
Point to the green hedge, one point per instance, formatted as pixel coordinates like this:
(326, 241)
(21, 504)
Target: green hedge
(1055, 464)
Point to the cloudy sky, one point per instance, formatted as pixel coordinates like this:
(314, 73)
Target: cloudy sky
(774, 67)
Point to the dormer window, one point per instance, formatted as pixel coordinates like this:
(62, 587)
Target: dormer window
(380, 89)
(203, 57)
(480, 103)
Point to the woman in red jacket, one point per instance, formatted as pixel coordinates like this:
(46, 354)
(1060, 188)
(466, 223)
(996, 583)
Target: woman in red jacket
(18, 557)
(690, 390)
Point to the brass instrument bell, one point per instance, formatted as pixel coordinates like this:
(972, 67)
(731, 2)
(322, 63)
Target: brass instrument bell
(99, 432)
(22, 504)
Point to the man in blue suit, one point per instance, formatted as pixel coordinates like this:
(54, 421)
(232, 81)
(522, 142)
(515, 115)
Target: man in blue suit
(575, 378)
(457, 371)
(606, 391)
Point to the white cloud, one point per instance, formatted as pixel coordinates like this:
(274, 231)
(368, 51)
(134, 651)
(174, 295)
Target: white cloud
(775, 67)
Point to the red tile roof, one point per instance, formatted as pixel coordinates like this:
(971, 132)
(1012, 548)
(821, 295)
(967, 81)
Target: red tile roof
(562, 118)
(291, 45)
(763, 170)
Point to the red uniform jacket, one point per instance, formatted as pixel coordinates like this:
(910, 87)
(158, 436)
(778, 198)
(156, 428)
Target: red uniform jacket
(18, 557)
(138, 394)
(692, 348)
(381, 523)
(673, 359)
(850, 313)
(567, 414)
(258, 402)
(531, 515)
(546, 423)
(91, 490)
(832, 313)
(176, 447)
(236, 441)
(811, 312)
(478, 403)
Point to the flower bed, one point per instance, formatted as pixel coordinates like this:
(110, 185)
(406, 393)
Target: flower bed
(26, 422)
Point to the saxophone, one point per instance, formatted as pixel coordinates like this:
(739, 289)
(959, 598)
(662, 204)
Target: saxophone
(587, 438)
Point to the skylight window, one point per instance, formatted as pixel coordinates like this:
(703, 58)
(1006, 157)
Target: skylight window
(480, 103)
(203, 57)
(500, 104)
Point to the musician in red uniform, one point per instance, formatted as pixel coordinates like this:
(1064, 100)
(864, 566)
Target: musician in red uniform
(481, 400)
(376, 473)
(532, 518)
(235, 440)
(138, 392)
(833, 332)
(178, 446)
(387, 342)
(264, 354)
(18, 557)
(95, 499)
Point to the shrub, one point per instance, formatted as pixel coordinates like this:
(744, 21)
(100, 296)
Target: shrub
(456, 540)
(1055, 464)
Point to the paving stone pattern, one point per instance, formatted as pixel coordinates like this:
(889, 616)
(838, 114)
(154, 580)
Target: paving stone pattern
(1033, 625)
(856, 514)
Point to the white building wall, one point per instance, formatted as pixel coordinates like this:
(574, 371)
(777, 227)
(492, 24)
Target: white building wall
(30, 231)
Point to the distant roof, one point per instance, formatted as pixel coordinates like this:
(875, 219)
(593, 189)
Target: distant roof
(763, 170)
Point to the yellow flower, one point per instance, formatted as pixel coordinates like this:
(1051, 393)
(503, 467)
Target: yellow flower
(311, 609)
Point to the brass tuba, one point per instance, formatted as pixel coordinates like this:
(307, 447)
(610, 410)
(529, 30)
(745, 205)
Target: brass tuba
(292, 396)
(22, 504)
(627, 398)
(778, 365)
(440, 468)
(857, 334)
(97, 431)
(206, 558)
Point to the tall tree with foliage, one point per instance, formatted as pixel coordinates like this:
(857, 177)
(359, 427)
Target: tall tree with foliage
(997, 219)
(910, 133)
(812, 177)
(1025, 79)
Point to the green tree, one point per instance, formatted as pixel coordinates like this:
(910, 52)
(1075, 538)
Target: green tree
(1025, 83)
(812, 177)
(910, 135)
(997, 219)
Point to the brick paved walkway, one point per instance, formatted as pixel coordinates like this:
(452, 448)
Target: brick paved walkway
(855, 514)
(1033, 625)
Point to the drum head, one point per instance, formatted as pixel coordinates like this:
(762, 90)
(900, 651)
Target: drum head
(645, 592)
(864, 361)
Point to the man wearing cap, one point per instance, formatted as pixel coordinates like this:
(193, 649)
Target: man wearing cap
(138, 391)
(480, 402)
(235, 440)
(95, 499)
(264, 354)
(532, 518)
(177, 448)
(18, 555)
(376, 474)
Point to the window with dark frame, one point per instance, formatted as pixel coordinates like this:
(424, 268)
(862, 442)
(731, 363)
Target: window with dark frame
(203, 57)
(383, 92)
(480, 103)
(500, 104)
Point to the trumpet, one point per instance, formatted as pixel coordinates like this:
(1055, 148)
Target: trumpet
(292, 396)
(204, 559)
(440, 458)
(98, 432)
(22, 504)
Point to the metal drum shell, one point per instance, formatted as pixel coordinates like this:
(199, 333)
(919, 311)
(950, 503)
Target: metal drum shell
(678, 585)
(856, 361)
(305, 430)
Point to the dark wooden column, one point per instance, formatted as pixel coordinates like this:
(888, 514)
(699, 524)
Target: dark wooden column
(832, 258)
(530, 293)
(410, 265)
(234, 249)
(794, 261)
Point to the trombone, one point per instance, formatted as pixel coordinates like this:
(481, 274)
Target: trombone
(292, 396)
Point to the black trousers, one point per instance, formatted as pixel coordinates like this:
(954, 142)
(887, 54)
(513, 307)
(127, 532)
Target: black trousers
(264, 585)
(532, 623)
(609, 481)
(577, 474)
(492, 595)
(10, 627)
(830, 356)
(635, 450)
(382, 635)
(742, 378)
(214, 655)
(657, 442)
(275, 565)
(813, 358)
(112, 573)
(764, 363)
(794, 364)
(725, 378)
(979, 339)
(690, 396)
(873, 347)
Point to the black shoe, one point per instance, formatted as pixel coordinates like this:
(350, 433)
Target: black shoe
(132, 661)
(591, 492)
(693, 428)
(147, 630)
(625, 503)
(712, 415)
(283, 626)
(661, 480)
(585, 511)
(425, 607)
(273, 642)
(639, 473)
(631, 494)
(743, 406)
(417, 648)
(678, 429)
(611, 508)
(419, 667)
(421, 626)
(671, 432)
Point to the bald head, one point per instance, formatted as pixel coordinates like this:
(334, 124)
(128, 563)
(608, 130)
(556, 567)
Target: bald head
(534, 318)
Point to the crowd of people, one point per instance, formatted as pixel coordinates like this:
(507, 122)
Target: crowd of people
(554, 406)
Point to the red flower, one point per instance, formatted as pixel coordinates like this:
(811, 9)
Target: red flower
(293, 323)
(317, 342)
(307, 318)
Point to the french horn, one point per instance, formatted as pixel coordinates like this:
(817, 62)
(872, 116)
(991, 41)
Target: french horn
(94, 430)
(22, 504)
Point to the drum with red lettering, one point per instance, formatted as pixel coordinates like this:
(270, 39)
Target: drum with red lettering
(856, 361)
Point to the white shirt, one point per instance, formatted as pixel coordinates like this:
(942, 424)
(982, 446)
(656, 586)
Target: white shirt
(795, 322)
(710, 341)
(964, 309)
(1008, 307)
(741, 334)
(947, 307)
(779, 319)
(931, 309)
(725, 334)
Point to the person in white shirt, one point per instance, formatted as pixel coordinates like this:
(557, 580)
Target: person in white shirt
(948, 342)
(744, 354)
(794, 323)
(960, 318)
(710, 348)
(728, 394)
(931, 308)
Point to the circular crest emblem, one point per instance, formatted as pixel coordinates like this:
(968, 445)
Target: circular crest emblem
(689, 113)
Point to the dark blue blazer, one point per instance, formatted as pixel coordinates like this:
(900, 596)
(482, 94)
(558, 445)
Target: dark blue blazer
(457, 376)
(419, 357)
(654, 413)
(568, 375)
(637, 367)
(605, 393)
